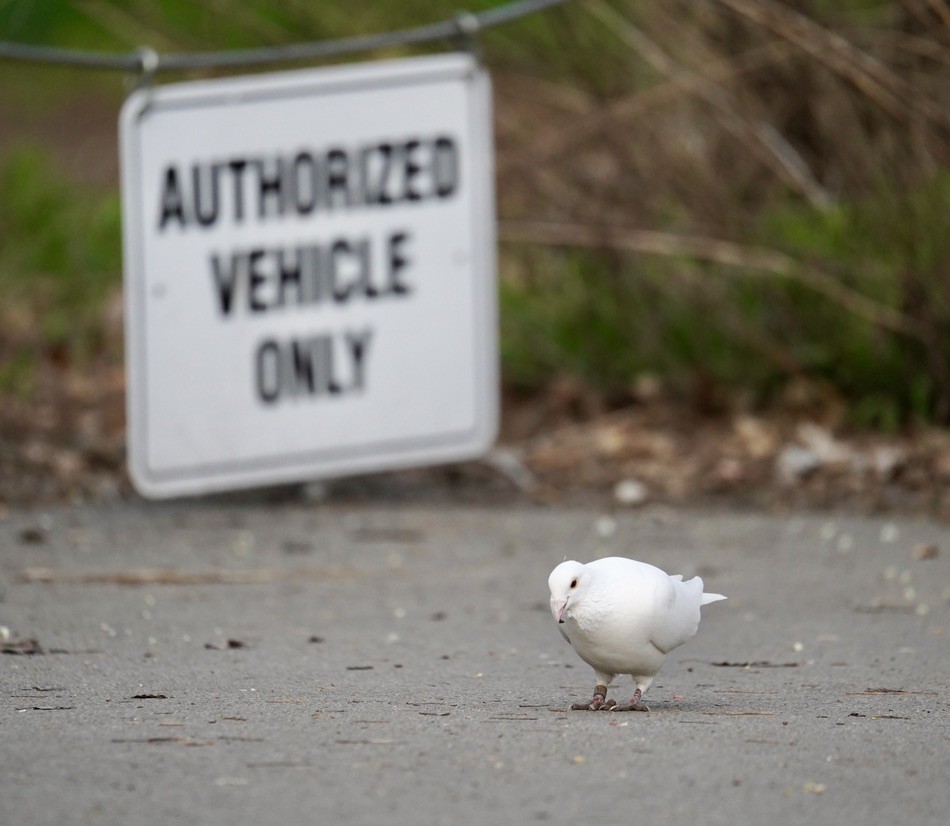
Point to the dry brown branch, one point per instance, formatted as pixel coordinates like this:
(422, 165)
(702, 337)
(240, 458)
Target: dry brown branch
(866, 73)
(637, 104)
(767, 142)
(765, 261)
(942, 10)
(910, 44)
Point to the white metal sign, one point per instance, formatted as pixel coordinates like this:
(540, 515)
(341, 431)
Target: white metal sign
(310, 274)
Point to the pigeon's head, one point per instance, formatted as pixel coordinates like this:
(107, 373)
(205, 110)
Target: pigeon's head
(566, 582)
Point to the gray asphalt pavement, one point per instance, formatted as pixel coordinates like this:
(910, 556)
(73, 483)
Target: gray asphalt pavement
(248, 663)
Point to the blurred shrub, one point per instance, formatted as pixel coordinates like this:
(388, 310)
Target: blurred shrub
(610, 318)
(59, 261)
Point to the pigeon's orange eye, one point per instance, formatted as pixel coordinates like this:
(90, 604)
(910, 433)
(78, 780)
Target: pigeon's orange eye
(573, 583)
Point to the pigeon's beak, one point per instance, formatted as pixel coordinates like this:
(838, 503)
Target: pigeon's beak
(558, 608)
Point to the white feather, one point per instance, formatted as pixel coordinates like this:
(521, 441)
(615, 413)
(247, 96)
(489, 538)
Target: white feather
(623, 617)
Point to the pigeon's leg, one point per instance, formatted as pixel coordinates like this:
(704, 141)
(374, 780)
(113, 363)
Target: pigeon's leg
(634, 705)
(643, 683)
(597, 702)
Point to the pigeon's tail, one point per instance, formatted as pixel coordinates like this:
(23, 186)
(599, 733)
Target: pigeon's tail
(707, 598)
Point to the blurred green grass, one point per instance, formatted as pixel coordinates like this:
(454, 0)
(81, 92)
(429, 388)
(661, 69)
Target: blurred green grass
(60, 261)
(732, 132)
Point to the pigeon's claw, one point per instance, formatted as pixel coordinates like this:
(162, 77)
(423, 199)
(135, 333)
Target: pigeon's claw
(596, 703)
(630, 707)
(633, 705)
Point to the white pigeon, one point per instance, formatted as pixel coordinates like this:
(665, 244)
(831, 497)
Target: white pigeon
(623, 617)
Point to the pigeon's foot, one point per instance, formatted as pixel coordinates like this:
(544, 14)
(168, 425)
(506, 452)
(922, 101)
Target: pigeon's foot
(633, 705)
(597, 702)
(630, 707)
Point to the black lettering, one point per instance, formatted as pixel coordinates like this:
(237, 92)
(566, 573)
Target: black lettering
(225, 281)
(338, 178)
(237, 182)
(255, 279)
(366, 175)
(172, 203)
(290, 275)
(300, 183)
(382, 194)
(445, 167)
(412, 169)
(303, 183)
(205, 180)
(326, 346)
(339, 248)
(362, 253)
(270, 188)
(268, 371)
(296, 368)
(358, 344)
(397, 263)
(316, 282)
(302, 356)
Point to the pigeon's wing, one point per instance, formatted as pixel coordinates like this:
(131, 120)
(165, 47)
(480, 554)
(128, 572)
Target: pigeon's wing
(675, 615)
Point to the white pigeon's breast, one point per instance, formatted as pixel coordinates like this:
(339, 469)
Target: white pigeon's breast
(616, 646)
